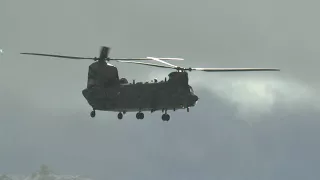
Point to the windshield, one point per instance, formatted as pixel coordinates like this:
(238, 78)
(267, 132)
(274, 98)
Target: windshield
(191, 90)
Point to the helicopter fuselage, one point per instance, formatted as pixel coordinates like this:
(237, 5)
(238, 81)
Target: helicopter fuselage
(138, 97)
(172, 94)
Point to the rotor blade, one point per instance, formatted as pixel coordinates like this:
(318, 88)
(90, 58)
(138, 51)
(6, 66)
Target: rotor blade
(115, 59)
(147, 64)
(234, 69)
(177, 59)
(144, 59)
(58, 56)
(157, 59)
(129, 59)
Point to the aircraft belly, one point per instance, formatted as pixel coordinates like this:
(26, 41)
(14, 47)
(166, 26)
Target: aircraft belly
(148, 97)
(134, 97)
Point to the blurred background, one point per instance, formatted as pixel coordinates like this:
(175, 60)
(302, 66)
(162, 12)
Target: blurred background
(251, 125)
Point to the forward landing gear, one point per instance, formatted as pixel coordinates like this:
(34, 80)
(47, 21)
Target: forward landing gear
(139, 115)
(93, 114)
(120, 115)
(165, 117)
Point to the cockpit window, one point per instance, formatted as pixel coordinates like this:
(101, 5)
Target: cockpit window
(191, 90)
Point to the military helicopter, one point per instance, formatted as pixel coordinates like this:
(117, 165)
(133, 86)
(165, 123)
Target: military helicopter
(105, 91)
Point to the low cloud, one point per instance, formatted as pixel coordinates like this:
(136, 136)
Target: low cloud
(254, 95)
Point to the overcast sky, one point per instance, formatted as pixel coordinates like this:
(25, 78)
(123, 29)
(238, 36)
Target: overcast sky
(246, 125)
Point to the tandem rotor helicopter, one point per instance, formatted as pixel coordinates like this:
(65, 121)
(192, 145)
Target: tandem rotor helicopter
(105, 91)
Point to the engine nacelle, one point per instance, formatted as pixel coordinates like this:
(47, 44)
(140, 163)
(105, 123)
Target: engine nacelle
(179, 77)
(123, 81)
(102, 74)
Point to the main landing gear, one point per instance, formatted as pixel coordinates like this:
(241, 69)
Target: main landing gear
(165, 116)
(139, 115)
(120, 115)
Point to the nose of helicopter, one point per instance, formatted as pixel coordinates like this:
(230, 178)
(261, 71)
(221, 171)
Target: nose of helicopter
(193, 99)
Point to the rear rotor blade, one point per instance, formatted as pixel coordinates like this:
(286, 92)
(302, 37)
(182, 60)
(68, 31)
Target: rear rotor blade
(159, 60)
(234, 69)
(58, 56)
(143, 59)
(147, 64)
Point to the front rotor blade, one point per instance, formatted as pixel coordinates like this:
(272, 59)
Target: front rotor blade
(147, 64)
(234, 69)
(157, 59)
(58, 56)
(143, 59)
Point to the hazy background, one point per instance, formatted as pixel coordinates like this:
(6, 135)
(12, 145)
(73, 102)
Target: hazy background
(246, 125)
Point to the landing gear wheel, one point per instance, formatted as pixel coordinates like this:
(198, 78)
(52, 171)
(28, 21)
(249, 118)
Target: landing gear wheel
(93, 113)
(165, 117)
(139, 115)
(120, 115)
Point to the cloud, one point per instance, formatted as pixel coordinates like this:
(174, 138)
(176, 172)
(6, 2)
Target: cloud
(254, 94)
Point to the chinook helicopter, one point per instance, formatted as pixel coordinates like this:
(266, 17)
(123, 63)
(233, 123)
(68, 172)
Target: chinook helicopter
(105, 91)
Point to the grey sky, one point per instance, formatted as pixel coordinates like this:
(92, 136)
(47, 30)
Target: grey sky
(264, 125)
